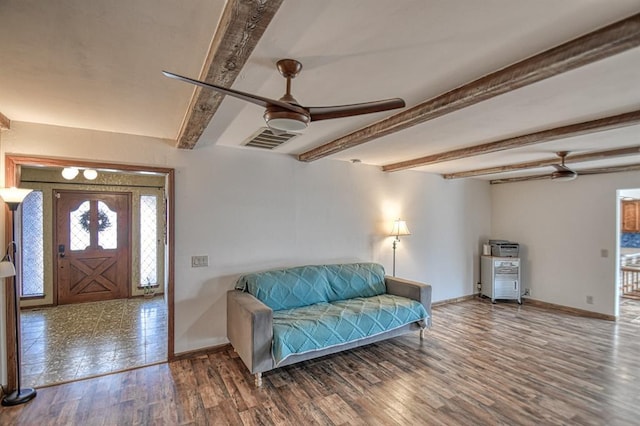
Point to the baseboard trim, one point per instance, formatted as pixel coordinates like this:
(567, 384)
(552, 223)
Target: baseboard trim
(455, 300)
(198, 352)
(539, 304)
(570, 310)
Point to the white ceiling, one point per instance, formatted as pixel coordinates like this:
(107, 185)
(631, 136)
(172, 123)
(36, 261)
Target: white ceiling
(96, 65)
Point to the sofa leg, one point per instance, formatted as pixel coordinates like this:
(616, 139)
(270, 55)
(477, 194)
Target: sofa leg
(258, 380)
(422, 330)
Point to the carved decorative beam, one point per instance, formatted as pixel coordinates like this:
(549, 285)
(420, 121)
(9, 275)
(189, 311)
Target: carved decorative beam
(598, 171)
(578, 158)
(600, 44)
(602, 124)
(5, 123)
(242, 25)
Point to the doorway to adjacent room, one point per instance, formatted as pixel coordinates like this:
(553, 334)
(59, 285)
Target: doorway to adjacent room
(100, 298)
(628, 238)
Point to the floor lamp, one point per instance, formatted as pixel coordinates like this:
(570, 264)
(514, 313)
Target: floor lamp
(13, 197)
(399, 228)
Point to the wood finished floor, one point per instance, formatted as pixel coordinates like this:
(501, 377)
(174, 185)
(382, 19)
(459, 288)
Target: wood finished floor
(480, 364)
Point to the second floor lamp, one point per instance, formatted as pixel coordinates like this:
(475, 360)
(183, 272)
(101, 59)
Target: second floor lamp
(399, 229)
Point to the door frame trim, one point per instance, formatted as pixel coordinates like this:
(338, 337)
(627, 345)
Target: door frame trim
(13, 163)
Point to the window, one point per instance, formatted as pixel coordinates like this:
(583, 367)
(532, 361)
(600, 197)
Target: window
(107, 227)
(148, 240)
(32, 246)
(79, 237)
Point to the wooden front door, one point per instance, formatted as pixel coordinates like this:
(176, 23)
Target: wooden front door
(92, 236)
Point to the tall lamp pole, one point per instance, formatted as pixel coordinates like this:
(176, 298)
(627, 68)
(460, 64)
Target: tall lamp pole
(13, 197)
(399, 228)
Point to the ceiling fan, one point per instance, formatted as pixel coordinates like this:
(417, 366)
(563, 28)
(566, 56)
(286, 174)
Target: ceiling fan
(563, 173)
(286, 114)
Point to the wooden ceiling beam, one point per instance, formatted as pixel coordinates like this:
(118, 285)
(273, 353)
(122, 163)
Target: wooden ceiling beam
(242, 25)
(598, 171)
(605, 42)
(5, 123)
(578, 158)
(599, 125)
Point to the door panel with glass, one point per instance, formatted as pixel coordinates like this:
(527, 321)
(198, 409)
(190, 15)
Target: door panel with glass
(92, 246)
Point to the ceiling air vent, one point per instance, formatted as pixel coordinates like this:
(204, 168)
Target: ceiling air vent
(265, 138)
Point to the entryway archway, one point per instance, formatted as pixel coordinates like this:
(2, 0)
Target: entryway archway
(13, 166)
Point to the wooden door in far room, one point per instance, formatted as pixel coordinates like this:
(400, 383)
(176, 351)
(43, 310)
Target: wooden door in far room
(92, 240)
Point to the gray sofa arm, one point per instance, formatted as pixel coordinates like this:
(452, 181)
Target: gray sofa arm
(250, 330)
(411, 289)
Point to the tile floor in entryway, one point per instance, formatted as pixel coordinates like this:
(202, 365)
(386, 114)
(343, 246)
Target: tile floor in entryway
(71, 342)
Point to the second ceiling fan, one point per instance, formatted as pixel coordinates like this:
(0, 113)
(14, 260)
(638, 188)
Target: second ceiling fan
(286, 114)
(563, 173)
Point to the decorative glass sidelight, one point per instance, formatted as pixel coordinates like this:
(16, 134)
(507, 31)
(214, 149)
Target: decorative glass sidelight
(32, 245)
(148, 240)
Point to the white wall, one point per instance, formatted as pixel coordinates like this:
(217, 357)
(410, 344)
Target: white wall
(562, 228)
(251, 210)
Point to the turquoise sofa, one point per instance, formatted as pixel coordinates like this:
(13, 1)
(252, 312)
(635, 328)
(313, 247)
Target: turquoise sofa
(284, 316)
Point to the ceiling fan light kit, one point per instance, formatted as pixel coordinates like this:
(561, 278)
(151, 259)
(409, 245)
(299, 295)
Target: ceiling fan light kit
(564, 176)
(286, 121)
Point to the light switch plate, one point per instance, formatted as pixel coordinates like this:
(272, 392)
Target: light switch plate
(199, 261)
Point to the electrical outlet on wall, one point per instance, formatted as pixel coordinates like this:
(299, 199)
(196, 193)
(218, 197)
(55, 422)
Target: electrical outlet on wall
(590, 300)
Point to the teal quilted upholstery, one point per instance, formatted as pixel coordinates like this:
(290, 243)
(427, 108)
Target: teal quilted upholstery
(305, 329)
(355, 280)
(307, 285)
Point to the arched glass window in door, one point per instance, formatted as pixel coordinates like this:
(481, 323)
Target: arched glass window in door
(79, 237)
(107, 227)
(81, 226)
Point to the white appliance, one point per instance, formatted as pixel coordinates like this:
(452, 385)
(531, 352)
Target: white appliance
(500, 278)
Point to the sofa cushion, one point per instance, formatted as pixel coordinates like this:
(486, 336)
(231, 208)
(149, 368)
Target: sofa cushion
(355, 280)
(315, 327)
(288, 288)
(308, 285)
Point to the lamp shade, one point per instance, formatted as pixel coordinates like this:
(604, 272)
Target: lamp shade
(7, 269)
(400, 228)
(13, 196)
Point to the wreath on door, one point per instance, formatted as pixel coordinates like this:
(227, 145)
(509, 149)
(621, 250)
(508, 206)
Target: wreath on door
(103, 220)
